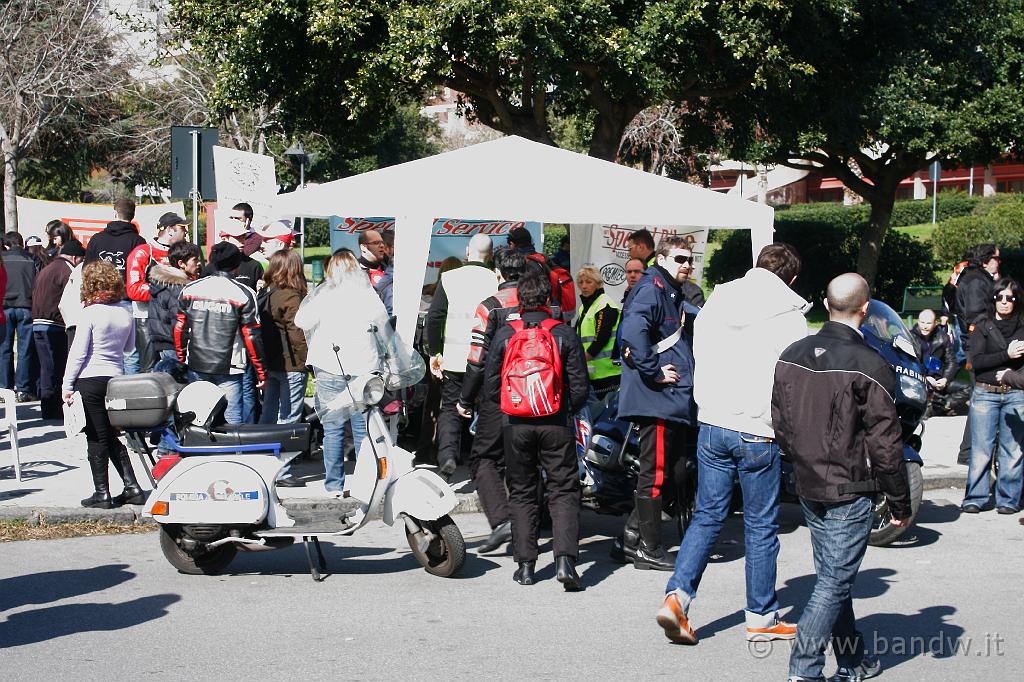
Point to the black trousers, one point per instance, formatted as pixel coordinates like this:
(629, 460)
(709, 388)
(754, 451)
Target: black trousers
(52, 351)
(487, 462)
(144, 344)
(449, 423)
(662, 445)
(552, 448)
(98, 430)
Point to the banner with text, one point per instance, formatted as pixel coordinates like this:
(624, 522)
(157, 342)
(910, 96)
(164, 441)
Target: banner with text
(605, 247)
(85, 220)
(450, 236)
(242, 177)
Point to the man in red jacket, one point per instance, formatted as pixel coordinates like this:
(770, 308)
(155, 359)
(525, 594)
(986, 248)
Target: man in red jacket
(170, 230)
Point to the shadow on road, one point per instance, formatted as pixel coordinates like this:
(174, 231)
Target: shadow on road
(897, 638)
(33, 470)
(42, 588)
(41, 625)
(15, 494)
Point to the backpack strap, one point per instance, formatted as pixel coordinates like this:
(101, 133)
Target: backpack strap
(517, 325)
(550, 323)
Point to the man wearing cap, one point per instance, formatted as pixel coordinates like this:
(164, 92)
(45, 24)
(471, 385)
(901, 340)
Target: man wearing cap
(48, 331)
(212, 310)
(234, 231)
(274, 237)
(170, 229)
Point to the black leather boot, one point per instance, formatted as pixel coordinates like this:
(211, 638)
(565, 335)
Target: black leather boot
(565, 573)
(524, 574)
(649, 552)
(624, 548)
(501, 534)
(132, 493)
(98, 465)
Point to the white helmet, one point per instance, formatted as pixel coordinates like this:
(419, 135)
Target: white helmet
(204, 400)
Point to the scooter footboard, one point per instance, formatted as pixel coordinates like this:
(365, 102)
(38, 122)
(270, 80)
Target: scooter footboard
(421, 494)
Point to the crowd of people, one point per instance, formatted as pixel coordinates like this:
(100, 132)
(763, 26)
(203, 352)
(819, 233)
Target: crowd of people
(509, 350)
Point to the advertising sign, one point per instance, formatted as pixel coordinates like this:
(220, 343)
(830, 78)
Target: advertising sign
(244, 177)
(605, 247)
(85, 220)
(449, 238)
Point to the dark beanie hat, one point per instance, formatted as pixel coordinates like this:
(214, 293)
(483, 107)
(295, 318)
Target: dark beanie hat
(225, 257)
(73, 248)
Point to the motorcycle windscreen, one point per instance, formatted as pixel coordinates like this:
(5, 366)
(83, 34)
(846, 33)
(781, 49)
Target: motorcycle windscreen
(214, 493)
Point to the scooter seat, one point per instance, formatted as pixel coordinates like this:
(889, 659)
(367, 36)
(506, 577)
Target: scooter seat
(292, 437)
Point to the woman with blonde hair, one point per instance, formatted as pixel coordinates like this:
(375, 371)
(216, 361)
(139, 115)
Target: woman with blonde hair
(596, 322)
(105, 332)
(337, 318)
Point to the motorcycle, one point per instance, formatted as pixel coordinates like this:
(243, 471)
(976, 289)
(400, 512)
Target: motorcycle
(215, 493)
(609, 464)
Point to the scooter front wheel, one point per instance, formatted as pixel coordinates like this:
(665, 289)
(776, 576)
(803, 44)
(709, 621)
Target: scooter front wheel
(207, 563)
(441, 550)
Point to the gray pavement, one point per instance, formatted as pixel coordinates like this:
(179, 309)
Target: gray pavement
(56, 474)
(942, 605)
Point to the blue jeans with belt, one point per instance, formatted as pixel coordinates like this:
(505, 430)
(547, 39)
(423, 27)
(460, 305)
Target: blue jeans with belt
(996, 419)
(722, 454)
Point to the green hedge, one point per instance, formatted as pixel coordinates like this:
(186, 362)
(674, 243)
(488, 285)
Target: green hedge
(1000, 222)
(828, 250)
(904, 213)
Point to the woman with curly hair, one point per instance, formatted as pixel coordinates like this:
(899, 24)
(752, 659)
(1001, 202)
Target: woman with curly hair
(106, 331)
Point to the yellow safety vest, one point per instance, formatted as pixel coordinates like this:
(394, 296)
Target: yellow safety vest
(601, 365)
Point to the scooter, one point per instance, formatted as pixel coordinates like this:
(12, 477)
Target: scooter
(215, 492)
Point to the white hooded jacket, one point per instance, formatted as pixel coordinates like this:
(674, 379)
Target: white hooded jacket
(738, 337)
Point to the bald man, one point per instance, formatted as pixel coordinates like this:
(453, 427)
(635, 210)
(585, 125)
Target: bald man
(449, 330)
(934, 343)
(833, 389)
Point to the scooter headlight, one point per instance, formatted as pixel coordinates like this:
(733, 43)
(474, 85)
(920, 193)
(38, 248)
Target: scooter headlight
(913, 389)
(373, 391)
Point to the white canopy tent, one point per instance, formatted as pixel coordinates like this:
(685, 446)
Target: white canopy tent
(514, 179)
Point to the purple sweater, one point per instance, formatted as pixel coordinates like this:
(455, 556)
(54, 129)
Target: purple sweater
(103, 335)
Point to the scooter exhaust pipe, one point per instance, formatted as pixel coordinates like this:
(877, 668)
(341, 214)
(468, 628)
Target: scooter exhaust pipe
(253, 545)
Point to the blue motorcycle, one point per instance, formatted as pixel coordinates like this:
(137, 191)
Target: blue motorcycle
(609, 461)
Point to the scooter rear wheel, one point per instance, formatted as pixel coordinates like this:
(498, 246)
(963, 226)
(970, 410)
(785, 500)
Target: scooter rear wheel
(206, 563)
(446, 552)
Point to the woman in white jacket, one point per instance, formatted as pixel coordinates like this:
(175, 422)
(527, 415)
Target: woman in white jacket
(337, 318)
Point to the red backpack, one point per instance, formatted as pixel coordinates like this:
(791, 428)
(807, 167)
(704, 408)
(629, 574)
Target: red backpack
(531, 374)
(563, 289)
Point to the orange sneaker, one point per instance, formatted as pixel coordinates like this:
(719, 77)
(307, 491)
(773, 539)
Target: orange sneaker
(779, 630)
(674, 622)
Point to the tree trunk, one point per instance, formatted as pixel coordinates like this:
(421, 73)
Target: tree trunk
(10, 186)
(874, 233)
(606, 138)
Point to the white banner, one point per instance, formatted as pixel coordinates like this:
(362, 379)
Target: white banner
(605, 247)
(449, 236)
(86, 220)
(245, 177)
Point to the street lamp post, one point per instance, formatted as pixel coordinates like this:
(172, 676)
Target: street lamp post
(297, 153)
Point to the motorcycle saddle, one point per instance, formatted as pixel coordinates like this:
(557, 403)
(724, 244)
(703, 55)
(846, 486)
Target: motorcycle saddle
(292, 437)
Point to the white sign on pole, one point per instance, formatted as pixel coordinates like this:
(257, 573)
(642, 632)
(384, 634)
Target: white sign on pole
(245, 177)
(85, 220)
(605, 247)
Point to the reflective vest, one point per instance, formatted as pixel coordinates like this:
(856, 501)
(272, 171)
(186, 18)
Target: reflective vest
(601, 365)
(465, 287)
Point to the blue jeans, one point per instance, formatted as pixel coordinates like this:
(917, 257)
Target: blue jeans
(996, 418)
(839, 538)
(19, 324)
(334, 433)
(721, 455)
(249, 397)
(283, 397)
(232, 385)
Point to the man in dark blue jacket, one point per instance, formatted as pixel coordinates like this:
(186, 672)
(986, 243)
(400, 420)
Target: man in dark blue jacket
(657, 392)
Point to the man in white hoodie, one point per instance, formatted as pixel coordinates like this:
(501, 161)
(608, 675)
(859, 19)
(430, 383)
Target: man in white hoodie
(738, 336)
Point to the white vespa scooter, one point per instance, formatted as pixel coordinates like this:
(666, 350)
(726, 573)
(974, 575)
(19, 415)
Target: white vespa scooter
(215, 494)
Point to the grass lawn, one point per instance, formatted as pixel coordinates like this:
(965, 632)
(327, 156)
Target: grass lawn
(922, 232)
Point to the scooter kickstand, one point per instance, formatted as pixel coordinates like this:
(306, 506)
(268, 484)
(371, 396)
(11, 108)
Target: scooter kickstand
(317, 573)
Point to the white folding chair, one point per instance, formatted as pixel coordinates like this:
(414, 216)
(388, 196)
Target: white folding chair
(9, 423)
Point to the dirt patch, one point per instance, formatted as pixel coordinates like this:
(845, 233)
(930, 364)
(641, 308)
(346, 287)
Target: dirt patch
(11, 531)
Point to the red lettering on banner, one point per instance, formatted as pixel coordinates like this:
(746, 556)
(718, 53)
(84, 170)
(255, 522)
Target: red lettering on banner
(463, 228)
(356, 225)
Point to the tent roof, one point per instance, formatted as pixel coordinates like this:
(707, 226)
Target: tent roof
(515, 179)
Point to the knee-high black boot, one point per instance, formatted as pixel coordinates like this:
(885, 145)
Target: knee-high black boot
(650, 553)
(132, 493)
(98, 465)
(624, 548)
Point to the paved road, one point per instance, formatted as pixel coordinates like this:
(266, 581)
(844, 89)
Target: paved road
(111, 608)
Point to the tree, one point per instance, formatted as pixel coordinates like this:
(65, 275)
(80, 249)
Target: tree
(893, 86)
(518, 63)
(53, 53)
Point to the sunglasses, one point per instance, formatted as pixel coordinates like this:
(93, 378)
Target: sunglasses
(683, 260)
(1005, 297)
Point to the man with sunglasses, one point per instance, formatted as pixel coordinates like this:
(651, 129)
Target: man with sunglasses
(657, 394)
